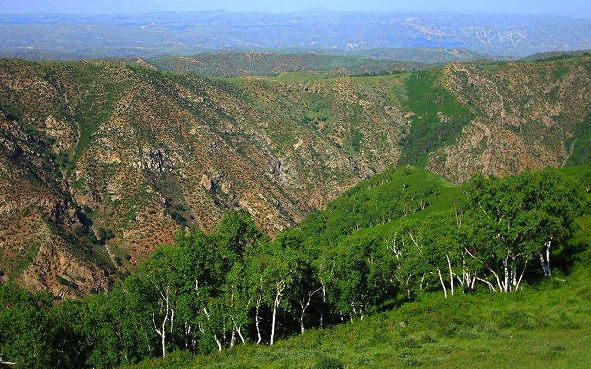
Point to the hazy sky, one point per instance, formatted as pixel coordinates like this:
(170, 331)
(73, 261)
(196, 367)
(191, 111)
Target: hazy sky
(577, 8)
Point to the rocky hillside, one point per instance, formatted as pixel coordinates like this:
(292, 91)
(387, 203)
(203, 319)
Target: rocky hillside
(101, 162)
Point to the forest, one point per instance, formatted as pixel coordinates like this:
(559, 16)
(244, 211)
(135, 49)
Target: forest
(401, 234)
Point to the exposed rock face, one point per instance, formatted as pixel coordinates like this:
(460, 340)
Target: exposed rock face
(526, 115)
(207, 183)
(100, 163)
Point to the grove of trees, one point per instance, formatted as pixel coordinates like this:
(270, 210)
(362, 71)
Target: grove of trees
(235, 286)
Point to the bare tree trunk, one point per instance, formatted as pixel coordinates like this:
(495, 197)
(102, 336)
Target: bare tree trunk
(217, 341)
(257, 320)
(465, 280)
(275, 305)
(506, 266)
(521, 276)
(302, 328)
(187, 333)
(442, 283)
(545, 261)
(490, 286)
(9, 363)
(499, 282)
(323, 307)
(232, 337)
(304, 304)
(451, 275)
(162, 331)
(279, 291)
(239, 331)
(215, 336)
(408, 291)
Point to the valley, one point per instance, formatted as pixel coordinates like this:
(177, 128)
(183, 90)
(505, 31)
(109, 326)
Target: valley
(102, 162)
(319, 184)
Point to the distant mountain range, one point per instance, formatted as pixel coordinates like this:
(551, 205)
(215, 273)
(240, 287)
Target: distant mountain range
(157, 34)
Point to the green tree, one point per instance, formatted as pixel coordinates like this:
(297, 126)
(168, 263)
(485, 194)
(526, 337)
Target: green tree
(362, 273)
(305, 283)
(441, 247)
(27, 334)
(163, 282)
(516, 218)
(278, 273)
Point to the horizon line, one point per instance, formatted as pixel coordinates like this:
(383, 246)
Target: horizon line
(314, 9)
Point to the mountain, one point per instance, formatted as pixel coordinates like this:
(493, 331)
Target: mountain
(233, 64)
(370, 62)
(427, 55)
(556, 55)
(156, 34)
(101, 162)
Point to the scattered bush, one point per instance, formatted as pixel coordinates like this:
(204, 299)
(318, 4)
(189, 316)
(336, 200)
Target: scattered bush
(427, 337)
(408, 343)
(444, 348)
(326, 362)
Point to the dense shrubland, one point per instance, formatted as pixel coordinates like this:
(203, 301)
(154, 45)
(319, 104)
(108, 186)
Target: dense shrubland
(394, 237)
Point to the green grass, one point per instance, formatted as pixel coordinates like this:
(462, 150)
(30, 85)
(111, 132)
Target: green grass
(549, 326)
(300, 77)
(25, 259)
(562, 70)
(581, 144)
(376, 205)
(438, 119)
(356, 138)
(96, 108)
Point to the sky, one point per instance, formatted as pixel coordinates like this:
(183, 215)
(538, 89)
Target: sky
(575, 8)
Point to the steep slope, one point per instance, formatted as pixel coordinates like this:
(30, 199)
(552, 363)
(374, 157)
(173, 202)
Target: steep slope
(345, 264)
(101, 162)
(526, 116)
(373, 207)
(120, 157)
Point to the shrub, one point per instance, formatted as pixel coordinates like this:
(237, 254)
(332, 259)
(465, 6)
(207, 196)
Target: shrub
(450, 330)
(467, 334)
(445, 349)
(554, 351)
(408, 343)
(409, 360)
(428, 337)
(326, 362)
(518, 319)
